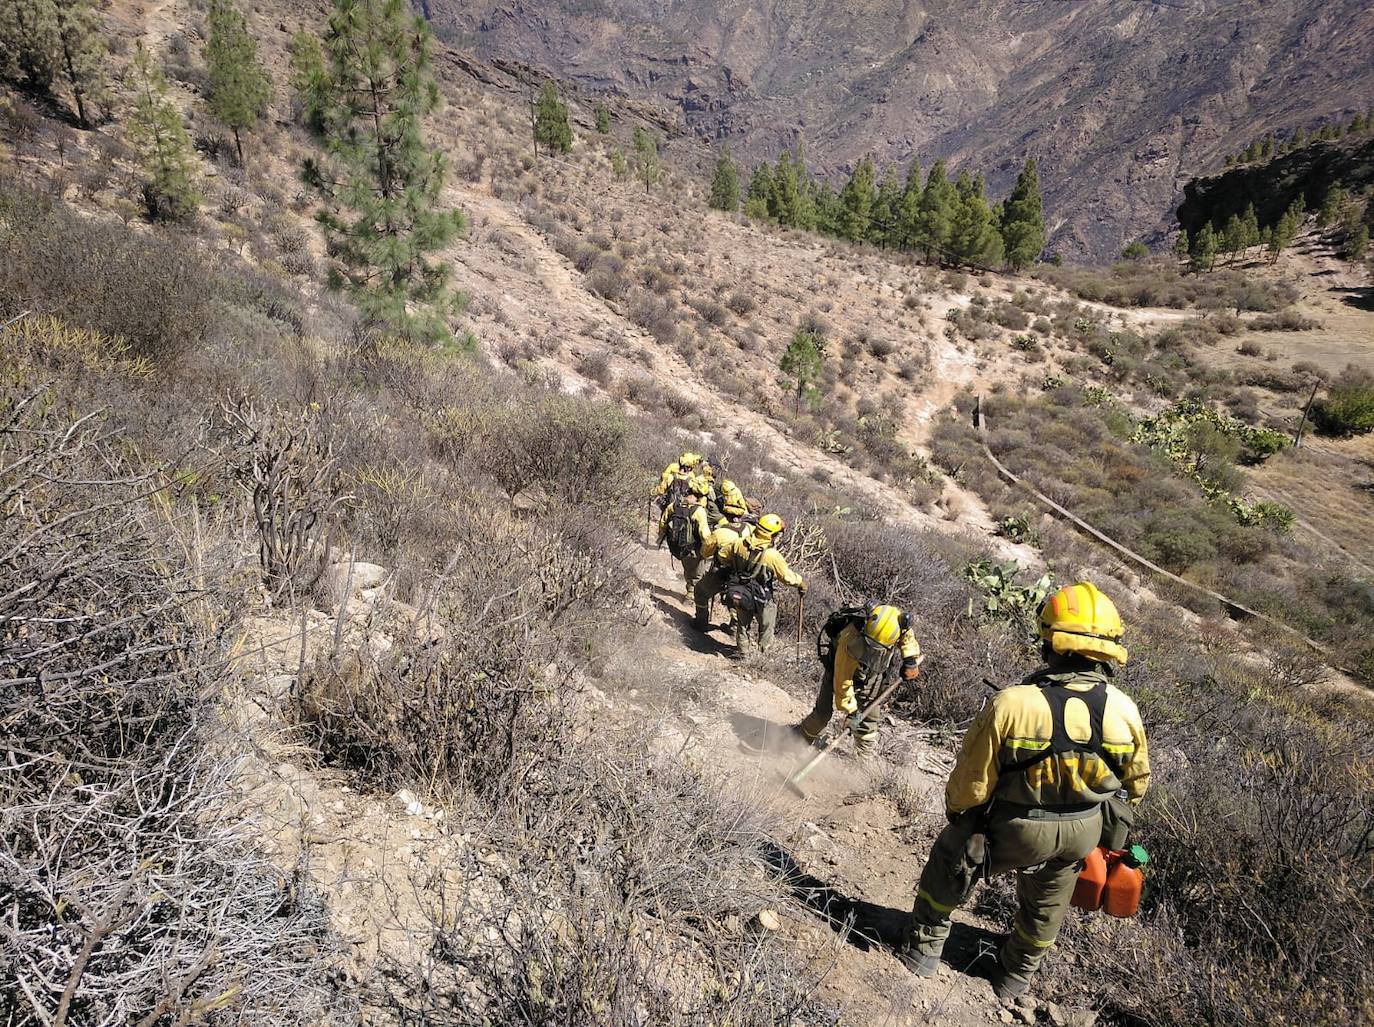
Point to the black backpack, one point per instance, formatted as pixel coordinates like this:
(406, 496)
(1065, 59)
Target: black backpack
(830, 631)
(681, 533)
(749, 588)
(1060, 741)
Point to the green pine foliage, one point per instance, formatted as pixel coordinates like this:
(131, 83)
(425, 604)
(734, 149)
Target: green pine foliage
(974, 238)
(1330, 211)
(380, 181)
(28, 43)
(648, 168)
(801, 366)
(1135, 251)
(240, 88)
(1286, 229)
(47, 42)
(551, 127)
(760, 196)
(1203, 251)
(1182, 247)
(164, 146)
(885, 226)
(725, 183)
(309, 80)
(939, 202)
(603, 119)
(856, 202)
(1356, 243)
(909, 208)
(790, 201)
(1023, 219)
(620, 167)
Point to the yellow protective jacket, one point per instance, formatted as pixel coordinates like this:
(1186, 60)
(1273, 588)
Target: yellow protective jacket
(720, 538)
(701, 527)
(1018, 723)
(736, 554)
(849, 663)
(732, 502)
(669, 473)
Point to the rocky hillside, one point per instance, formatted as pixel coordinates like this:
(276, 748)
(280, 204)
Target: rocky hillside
(1120, 102)
(1309, 172)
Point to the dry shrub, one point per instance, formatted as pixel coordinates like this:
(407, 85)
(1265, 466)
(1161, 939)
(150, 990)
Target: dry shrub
(148, 289)
(618, 906)
(133, 895)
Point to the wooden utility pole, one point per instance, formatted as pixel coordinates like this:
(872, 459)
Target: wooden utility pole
(1297, 436)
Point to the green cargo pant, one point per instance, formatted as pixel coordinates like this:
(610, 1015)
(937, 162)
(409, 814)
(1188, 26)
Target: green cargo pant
(866, 735)
(708, 586)
(766, 619)
(692, 567)
(1047, 855)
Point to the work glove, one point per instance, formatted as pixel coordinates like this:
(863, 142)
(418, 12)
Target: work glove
(802, 588)
(911, 671)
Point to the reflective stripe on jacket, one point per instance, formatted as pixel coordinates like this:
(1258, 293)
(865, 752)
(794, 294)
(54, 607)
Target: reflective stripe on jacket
(1018, 723)
(849, 665)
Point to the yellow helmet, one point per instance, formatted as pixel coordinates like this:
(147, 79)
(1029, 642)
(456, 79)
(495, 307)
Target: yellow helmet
(699, 486)
(688, 460)
(1078, 619)
(885, 625)
(769, 527)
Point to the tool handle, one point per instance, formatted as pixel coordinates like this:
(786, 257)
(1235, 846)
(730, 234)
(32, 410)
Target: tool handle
(800, 775)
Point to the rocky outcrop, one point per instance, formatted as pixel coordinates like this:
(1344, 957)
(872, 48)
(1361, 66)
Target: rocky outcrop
(1309, 172)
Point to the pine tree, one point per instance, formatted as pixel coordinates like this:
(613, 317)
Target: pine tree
(1285, 230)
(380, 180)
(1232, 238)
(1204, 248)
(884, 230)
(1182, 248)
(82, 56)
(938, 203)
(309, 79)
(1330, 211)
(1023, 219)
(826, 203)
(647, 167)
(551, 127)
(856, 202)
(801, 364)
(759, 200)
(909, 208)
(1356, 244)
(973, 232)
(1250, 225)
(619, 166)
(787, 203)
(29, 43)
(239, 87)
(164, 146)
(1134, 251)
(725, 184)
(603, 119)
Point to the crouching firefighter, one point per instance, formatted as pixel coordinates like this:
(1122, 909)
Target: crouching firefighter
(857, 647)
(753, 568)
(1035, 789)
(712, 583)
(684, 527)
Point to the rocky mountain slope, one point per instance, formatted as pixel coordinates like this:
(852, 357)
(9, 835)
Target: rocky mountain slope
(1120, 102)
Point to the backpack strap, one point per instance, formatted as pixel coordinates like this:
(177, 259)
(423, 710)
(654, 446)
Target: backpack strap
(1058, 697)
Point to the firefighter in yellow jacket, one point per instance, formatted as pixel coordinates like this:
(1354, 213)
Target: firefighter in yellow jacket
(677, 477)
(862, 647)
(684, 527)
(712, 583)
(753, 569)
(1028, 789)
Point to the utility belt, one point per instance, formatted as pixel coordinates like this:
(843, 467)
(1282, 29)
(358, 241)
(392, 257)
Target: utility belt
(1072, 811)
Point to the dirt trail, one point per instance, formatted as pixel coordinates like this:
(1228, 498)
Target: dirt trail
(861, 834)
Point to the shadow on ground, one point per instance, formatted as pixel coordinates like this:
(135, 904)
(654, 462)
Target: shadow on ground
(1361, 298)
(867, 925)
(697, 641)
